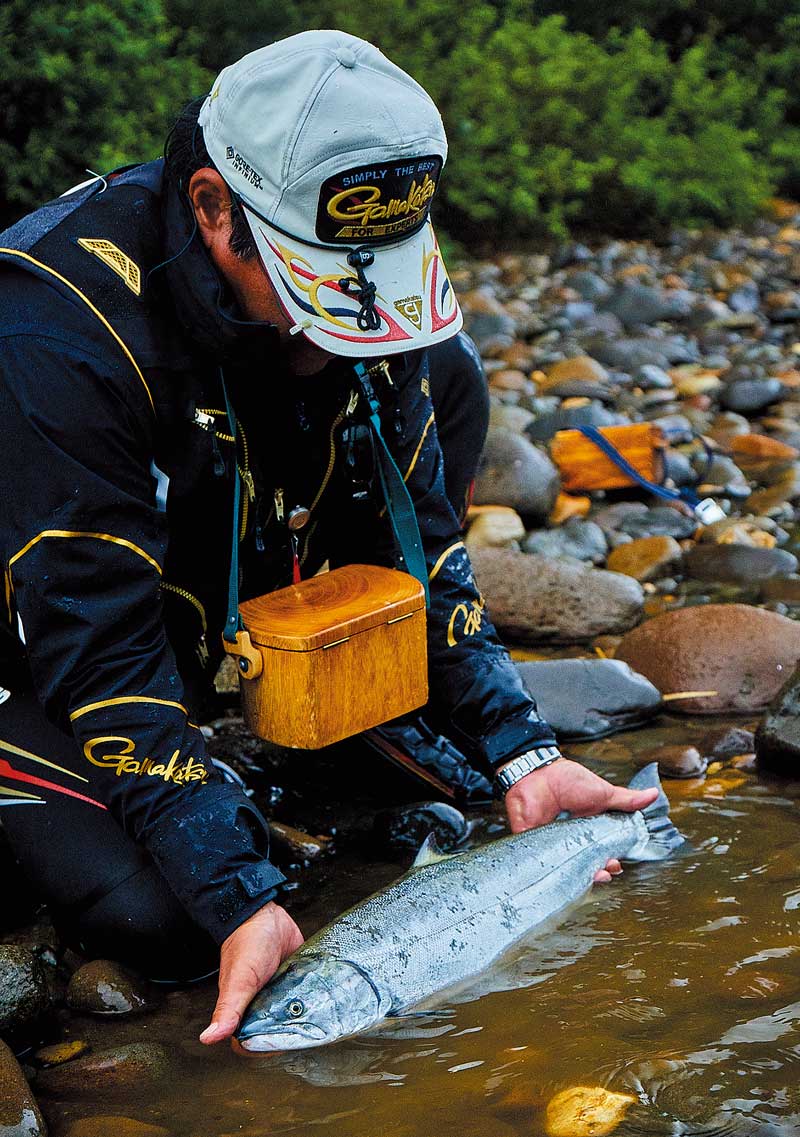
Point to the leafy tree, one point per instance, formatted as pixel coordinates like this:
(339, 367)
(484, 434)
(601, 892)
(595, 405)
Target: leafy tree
(92, 83)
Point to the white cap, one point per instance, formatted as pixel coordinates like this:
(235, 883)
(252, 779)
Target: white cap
(330, 148)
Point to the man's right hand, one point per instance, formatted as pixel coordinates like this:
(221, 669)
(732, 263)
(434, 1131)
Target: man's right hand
(248, 959)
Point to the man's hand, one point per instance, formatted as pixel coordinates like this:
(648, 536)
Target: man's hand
(248, 959)
(539, 797)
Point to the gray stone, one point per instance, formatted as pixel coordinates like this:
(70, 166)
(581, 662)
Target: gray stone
(750, 395)
(678, 469)
(589, 698)
(581, 540)
(509, 418)
(589, 285)
(651, 378)
(741, 564)
(660, 521)
(24, 987)
(544, 427)
(19, 1113)
(535, 600)
(777, 742)
(721, 471)
(514, 473)
(637, 304)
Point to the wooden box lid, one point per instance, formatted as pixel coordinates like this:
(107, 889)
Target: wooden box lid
(331, 606)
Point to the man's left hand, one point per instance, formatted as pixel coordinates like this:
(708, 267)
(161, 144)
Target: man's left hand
(539, 797)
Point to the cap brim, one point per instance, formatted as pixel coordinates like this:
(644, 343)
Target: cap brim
(415, 301)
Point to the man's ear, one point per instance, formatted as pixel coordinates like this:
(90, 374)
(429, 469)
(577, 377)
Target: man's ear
(211, 202)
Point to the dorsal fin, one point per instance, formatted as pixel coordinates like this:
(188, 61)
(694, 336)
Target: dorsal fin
(429, 853)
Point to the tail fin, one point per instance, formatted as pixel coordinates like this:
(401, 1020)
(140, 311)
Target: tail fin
(662, 836)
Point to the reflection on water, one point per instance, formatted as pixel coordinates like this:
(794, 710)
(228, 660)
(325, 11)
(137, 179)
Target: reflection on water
(678, 984)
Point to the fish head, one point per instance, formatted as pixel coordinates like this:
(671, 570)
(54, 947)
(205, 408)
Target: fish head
(310, 1002)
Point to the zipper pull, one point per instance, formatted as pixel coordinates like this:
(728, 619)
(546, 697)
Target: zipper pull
(204, 421)
(259, 538)
(250, 485)
(202, 650)
(279, 505)
(351, 406)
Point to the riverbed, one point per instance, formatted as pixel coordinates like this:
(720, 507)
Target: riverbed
(678, 985)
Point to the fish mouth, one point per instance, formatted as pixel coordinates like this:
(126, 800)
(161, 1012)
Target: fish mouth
(258, 1036)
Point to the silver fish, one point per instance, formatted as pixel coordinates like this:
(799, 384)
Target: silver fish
(445, 920)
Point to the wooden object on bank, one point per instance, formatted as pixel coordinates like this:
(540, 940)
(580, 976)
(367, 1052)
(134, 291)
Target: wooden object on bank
(584, 466)
(340, 653)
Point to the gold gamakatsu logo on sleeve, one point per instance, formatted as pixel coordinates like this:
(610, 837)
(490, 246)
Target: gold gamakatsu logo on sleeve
(117, 753)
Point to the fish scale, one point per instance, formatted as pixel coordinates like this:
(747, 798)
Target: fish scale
(444, 928)
(445, 920)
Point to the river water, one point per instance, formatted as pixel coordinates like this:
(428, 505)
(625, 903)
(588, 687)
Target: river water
(678, 984)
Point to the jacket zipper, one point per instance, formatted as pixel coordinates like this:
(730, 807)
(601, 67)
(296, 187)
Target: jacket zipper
(245, 473)
(202, 643)
(346, 410)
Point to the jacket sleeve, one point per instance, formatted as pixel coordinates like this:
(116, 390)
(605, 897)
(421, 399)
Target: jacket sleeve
(474, 684)
(83, 543)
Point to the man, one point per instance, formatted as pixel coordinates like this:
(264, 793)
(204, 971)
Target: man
(285, 239)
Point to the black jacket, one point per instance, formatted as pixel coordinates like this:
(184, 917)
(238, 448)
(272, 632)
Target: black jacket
(109, 389)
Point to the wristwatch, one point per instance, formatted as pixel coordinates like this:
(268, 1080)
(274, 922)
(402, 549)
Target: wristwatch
(522, 765)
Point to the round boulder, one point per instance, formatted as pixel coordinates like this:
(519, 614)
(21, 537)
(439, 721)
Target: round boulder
(24, 987)
(740, 653)
(534, 600)
(123, 1068)
(19, 1113)
(514, 473)
(103, 987)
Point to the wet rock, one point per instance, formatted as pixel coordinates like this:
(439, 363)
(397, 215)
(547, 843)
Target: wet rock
(632, 353)
(19, 1113)
(406, 827)
(784, 590)
(60, 1052)
(747, 396)
(720, 471)
(729, 744)
(541, 601)
(297, 845)
(103, 987)
(777, 741)
(108, 1126)
(509, 417)
(586, 1111)
(660, 521)
(134, 1066)
(678, 469)
(577, 367)
(742, 653)
(589, 698)
(737, 563)
(495, 528)
(514, 473)
(581, 540)
(24, 987)
(647, 558)
(674, 761)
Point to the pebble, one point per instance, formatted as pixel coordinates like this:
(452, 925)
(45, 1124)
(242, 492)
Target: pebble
(578, 367)
(108, 1126)
(567, 506)
(495, 527)
(19, 1113)
(581, 540)
(134, 1066)
(406, 827)
(60, 1052)
(103, 987)
(660, 521)
(514, 473)
(589, 698)
(586, 1111)
(545, 426)
(674, 761)
(25, 992)
(742, 564)
(536, 600)
(747, 396)
(647, 558)
(742, 653)
(730, 743)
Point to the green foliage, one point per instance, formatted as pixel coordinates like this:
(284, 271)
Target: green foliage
(92, 83)
(562, 114)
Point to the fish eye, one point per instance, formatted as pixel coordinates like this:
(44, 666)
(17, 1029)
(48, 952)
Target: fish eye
(296, 1008)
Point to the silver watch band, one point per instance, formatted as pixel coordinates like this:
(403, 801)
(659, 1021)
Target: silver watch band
(523, 765)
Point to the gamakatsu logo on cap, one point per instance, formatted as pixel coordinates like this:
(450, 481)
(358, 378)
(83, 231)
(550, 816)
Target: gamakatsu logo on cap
(243, 168)
(382, 202)
(411, 308)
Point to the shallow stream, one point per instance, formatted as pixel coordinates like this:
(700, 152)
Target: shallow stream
(678, 984)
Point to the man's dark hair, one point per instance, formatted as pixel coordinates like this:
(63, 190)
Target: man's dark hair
(184, 153)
